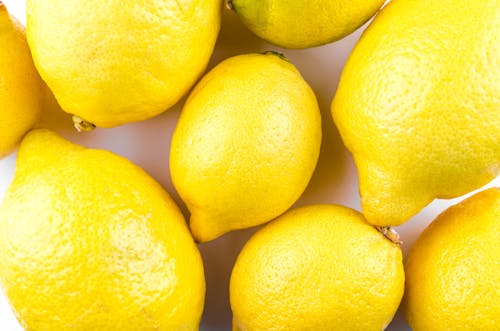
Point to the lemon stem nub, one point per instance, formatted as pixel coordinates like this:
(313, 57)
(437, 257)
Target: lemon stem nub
(278, 54)
(390, 234)
(229, 4)
(82, 125)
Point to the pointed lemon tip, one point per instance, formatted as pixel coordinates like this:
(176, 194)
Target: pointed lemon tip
(40, 146)
(3, 9)
(205, 228)
(40, 141)
(384, 213)
(388, 198)
(41, 136)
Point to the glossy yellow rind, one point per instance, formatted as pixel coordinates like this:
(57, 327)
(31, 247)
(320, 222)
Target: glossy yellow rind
(88, 241)
(453, 270)
(114, 62)
(418, 105)
(246, 144)
(317, 268)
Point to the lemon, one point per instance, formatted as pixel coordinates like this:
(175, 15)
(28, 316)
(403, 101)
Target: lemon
(88, 241)
(453, 270)
(418, 105)
(114, 62)
(21, 89)
(317, 268)
(246, 144)
(304, 23)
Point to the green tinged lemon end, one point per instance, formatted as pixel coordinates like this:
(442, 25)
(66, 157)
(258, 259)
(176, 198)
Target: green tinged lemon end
(278, 54)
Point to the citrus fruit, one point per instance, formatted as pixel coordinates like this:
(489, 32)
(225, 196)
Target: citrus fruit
(246, 144)
(418, 105)
(317, 268)
(453, 270)
(304, 23)
(88, 241)
(21, 89)
(114, 62)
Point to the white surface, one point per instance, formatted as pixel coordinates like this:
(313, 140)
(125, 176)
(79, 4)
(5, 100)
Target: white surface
(147, 144)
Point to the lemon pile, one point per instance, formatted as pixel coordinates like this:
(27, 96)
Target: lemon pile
(89, 241)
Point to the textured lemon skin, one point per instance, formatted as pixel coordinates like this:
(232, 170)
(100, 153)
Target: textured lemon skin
(304, 23)
(88, 241)
(317, 268)
(114, 62)
(246, 144)
(418, 105)
(21, 89)
(453, 270)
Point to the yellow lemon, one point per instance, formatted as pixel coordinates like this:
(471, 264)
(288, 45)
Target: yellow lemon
(304, 23)
(418, 105)
(453, 270)
(114, 62)
(246, 144)
(88, 241)
(21, 89)
(317, 268)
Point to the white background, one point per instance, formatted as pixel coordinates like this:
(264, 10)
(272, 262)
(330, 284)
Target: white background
(147, 144)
